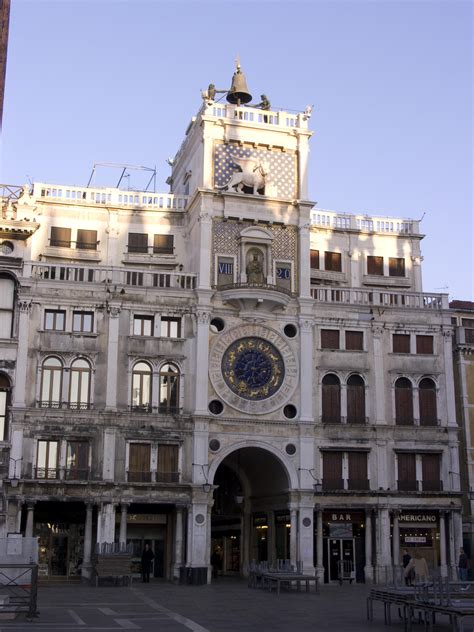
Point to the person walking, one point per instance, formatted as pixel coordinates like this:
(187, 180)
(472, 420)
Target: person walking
(147, 559)
(463, 565)
(419, 566)
(405, 561)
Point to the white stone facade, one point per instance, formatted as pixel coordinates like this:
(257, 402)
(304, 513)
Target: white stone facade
(132, 418)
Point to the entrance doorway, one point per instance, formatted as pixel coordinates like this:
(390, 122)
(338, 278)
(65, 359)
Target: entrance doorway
(340, 550)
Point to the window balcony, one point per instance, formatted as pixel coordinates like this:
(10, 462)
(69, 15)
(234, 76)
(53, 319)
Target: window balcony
(248, 296)
(147, 409)
(333, 484)
(152, 477)
(358, 484)
(46, 473)
(138, 477)
(167, 477)
(77, 474)
(61, 405)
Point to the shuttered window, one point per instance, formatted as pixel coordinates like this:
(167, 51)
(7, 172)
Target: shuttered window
(401, 343)
(406, 472)
(331, 400)
(427, 398)
(332, 471)
(396, 267)
(60, 237)
(77, 460)
(354, 340)
(139, 463)
(403, 402)
(137, 243)
(163, 244)
(7, 301)
(329, 339)
(358, 470)
(468, 324)
(167, 464)
(430, 468)
(86, 239)
(424, 345)
(333, 261)
(314, 259)
(355, 400)
(375, 265)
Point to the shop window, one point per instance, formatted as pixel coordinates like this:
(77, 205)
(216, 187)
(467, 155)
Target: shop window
(355, 400)
(141, 386)
(332, 471)
(329, 339)
(333, 261)
(430, 467)
(403, 402)
(7, 303)
(143, 325)
(407, 472)
(51, 383)
(169, 389)
(401, 343)
(139, 463)
(357, 467)
(314, 259)
(83, 322)
(354, 340)
(54, 319)
(167, 471)
(86, 239)
(77, 460)
(170, 327)
(225, 271)
(80, 385)
(163, 244)
(331, 399)
(137, 243)
(60, 237)
(47, 459)
(427, 399)
(396, 267)
(424, 345)
(5, 393)
(375, 265)
(468, 324)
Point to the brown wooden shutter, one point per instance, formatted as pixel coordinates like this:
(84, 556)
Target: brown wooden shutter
(424, 344)
(406, 472)
(314, 259)
(355, 400)
(60, 237)
(430, 471)
(329, 339)
(354, 340)
(163, 244)
(427, 398)
(137, 242)
(86, 239)
(168, 463)
(139, 462)
(331, 400)
(332, 470)
(358, 470)
(401, 343)
(333, 261)
(403, 402)
(375, 265)
(396, 267)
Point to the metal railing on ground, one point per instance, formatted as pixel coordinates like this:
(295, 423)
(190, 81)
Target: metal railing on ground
(19, 589)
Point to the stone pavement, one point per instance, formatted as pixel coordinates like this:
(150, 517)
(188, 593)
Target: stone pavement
(225, 606)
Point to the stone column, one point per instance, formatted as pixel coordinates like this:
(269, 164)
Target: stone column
(458, 539)
(378, 387)
(19, 506)
(112, 358)
(86, 563)
(368, 568)
(178, 542)
(293, 537)
(246, 539)
(319, 545)
(396, 547)
(30, 518)
(123, 525)
(19, 392)
(271, 538)
(202, 359)
(383, 561)
(304, 270)
(305, 533)
(452, 549)
(106, 518)
(306, 369)
(442, 544)
(208, 542)
(197, 553)
(449, 377)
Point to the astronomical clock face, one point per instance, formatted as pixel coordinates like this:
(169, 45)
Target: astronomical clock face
(253, 369)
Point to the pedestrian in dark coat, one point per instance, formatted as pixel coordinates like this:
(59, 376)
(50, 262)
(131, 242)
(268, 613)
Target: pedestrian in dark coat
(147, 560)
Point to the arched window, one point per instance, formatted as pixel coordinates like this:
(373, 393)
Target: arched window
(5, 390)
(7, 302)
(80, 385)
(427, 397)
(331, 399)
(51, 383)
(141, 386)
(403, 402)
(169, 388)
(355, 400)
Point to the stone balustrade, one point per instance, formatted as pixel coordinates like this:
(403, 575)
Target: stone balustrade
(364, 223)
(379, 298)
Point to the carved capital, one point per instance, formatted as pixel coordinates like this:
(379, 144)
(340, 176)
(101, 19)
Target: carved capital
(377, 330)
(205, 218)
(24, 306)
(306, 325)
(114, 311)
(203, 318)
(304, 227)
(447, 333)
(417, 260)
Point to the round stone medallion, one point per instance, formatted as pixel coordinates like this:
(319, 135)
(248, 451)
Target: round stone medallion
(253, 369)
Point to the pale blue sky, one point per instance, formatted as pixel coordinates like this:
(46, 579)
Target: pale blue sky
(391, 81)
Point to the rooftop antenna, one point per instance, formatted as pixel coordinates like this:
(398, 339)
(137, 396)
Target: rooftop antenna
(125, 168)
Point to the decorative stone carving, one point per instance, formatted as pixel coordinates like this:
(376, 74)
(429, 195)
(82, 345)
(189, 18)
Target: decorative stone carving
(24, 306)
(25, 197)
(254, 267)
(252, 174)
(203, 318)
(377, 330)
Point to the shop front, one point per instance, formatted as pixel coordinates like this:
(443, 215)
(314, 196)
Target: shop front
(343, 544)
(419, 530)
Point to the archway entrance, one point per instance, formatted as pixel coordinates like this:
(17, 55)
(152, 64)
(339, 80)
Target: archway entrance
(250, 515)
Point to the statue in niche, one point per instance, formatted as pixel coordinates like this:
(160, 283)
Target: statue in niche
(254, 269)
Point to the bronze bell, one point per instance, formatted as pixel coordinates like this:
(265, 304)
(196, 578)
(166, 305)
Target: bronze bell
(239, 93)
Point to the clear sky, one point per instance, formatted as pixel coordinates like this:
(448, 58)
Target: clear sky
(391, 82)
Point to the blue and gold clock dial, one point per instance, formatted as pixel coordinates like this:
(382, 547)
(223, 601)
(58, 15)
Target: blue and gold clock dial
(253, 368)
